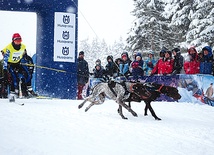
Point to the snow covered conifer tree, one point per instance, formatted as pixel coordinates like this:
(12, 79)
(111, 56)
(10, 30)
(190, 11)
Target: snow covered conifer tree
(201, 28)
(150, 29)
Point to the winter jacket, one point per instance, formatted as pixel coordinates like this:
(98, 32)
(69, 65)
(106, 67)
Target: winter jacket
(99, 73)
(192, 65)
(206, 64)
(178, 63)
(137, 69)
(163, 67)
(13, 54)
(110, 68)
(149, 65)
(82, 71)
(124, 66)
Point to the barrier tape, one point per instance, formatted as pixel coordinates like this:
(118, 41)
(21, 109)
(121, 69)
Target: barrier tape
(48, 68)
(43, 67)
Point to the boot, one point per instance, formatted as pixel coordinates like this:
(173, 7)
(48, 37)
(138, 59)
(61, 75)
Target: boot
(32, 93)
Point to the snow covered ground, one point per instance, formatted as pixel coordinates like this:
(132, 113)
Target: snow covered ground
(58, 127)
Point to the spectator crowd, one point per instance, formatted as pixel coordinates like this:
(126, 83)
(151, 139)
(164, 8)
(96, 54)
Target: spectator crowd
(169, 62)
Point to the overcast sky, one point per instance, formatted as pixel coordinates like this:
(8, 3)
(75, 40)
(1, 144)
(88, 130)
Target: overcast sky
(109, 20)
(18, 22)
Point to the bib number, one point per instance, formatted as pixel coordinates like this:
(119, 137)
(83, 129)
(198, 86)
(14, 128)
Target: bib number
(17, 56)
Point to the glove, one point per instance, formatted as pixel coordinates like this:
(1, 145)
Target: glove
(5, 76)
(135, 65)
(150, 64)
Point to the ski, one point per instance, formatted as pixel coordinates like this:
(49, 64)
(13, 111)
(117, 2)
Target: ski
(21, 104)
(46, 97)
(12, 99)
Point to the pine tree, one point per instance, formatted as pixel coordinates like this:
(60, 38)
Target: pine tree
(150, 29)
(171, 23)
(118, 48)
(201, 28)
(192, 21)
(84, 46)
(177, 12)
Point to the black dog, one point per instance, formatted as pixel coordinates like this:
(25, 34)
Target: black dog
(150, 92)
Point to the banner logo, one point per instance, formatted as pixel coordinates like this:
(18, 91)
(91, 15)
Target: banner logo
(66, 19)
(65, 50)
(65, 35)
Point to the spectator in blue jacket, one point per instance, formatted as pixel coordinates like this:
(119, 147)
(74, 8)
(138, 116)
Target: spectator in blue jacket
(124, 66)
(206, 63)
(149, 63)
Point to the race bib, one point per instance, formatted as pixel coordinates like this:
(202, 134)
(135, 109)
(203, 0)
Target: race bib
(16, 56)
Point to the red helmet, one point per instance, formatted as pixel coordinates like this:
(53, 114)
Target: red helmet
(16, 36)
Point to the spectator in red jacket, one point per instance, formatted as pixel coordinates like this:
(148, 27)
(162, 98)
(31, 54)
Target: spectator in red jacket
(192, 65)
(165, 65)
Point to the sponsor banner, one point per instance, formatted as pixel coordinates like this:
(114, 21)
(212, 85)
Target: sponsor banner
(64, 37)
(192, 88)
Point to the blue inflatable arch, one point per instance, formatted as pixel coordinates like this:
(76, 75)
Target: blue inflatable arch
(56, 44)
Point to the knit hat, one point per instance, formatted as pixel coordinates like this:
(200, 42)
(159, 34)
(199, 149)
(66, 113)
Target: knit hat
(151, 52)
(16, 36)
(138, 54)
(110, 57)
(176, 50)
(81, 53)
(163, 51)
(98, 61)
